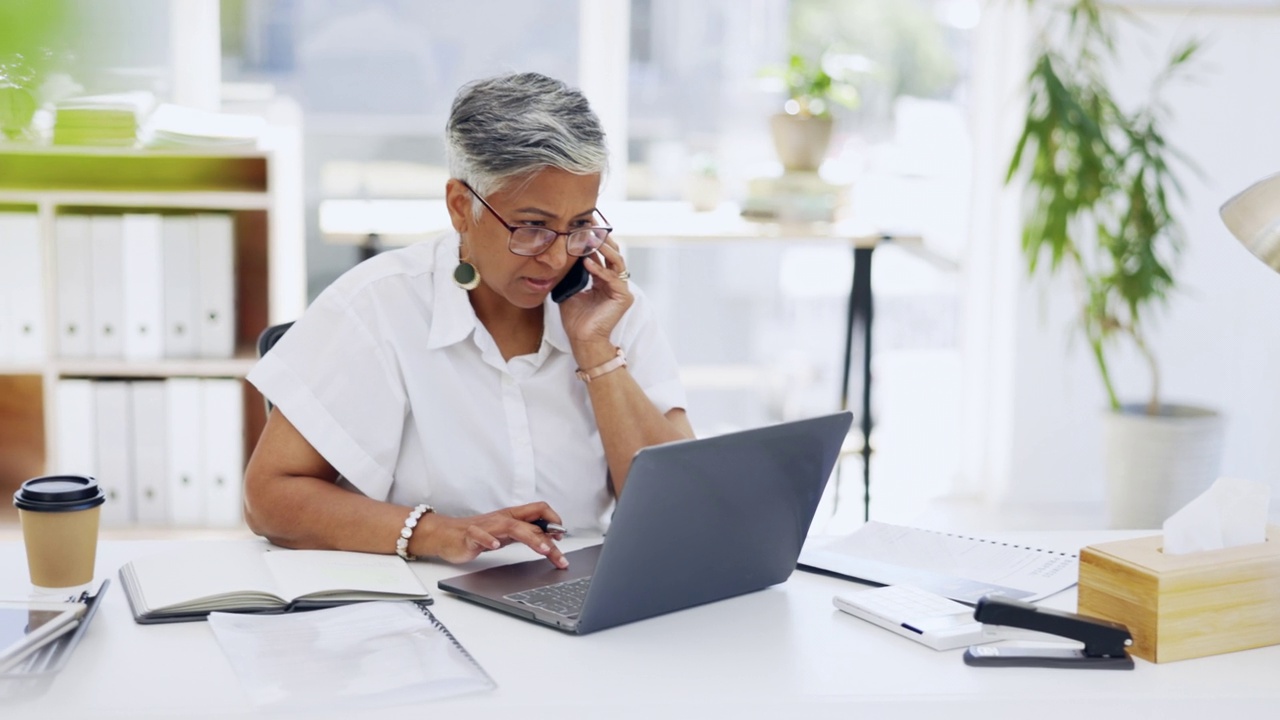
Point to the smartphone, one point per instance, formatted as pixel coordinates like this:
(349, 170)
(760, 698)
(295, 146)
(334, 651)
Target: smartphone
(573, 283)
(27, 626)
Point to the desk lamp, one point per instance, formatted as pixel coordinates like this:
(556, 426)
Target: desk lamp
(1253, 216)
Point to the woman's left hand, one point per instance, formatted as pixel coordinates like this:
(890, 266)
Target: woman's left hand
(591, 315)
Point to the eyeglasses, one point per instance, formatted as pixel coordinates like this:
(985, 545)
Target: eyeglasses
(530, 241)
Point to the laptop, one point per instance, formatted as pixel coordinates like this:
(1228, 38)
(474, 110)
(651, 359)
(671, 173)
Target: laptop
(699, 521)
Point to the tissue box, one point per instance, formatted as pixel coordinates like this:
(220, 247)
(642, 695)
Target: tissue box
(1185, 606)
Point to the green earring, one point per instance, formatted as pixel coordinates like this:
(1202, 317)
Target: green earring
(466, 276)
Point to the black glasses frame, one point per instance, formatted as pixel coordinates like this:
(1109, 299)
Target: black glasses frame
(546, 232)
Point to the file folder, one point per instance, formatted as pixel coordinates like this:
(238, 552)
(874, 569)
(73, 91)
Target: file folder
(147, 420)
(216, 267)
(180, 280)
(223, 452)
(22, 334)
(143, 287)
(114, 451)
(73, 265)
(77, 446)
(183, 410)
(106, 310)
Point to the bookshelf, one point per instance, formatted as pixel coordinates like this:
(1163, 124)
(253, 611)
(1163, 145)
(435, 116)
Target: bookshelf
(261, 191)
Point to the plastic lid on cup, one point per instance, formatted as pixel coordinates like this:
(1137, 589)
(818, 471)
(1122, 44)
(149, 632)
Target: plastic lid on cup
(59, 493)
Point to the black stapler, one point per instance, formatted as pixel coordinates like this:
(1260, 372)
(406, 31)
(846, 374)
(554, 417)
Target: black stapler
(1104, 641)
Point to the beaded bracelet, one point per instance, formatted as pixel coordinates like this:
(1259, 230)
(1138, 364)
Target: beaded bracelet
(406, 532)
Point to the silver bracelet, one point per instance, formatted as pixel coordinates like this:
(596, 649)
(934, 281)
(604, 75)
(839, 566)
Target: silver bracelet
(406, 532)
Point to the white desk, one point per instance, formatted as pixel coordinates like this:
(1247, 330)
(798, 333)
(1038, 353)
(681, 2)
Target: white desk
(784, 652)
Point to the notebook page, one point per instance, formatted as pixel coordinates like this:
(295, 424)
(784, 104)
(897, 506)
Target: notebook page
(218, 569)
(351, 657)
(306, 572)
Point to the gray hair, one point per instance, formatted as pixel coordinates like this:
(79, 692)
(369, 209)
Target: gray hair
(503, 128)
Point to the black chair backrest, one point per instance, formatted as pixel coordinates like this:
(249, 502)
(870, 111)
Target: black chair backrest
(271, 336)
(267, 340)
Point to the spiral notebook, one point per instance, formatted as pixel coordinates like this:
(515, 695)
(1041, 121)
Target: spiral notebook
(959, 567)
(354, 657)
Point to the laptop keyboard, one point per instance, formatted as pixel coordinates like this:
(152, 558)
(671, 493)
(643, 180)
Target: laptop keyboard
(562, 598)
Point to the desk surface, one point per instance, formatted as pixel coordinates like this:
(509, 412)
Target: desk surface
(402, 222)
(779, 653)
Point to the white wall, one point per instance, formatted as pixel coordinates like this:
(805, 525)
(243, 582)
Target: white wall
(1220, 335)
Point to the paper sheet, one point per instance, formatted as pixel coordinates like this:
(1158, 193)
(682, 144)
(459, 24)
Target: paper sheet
(357, 656)
(961, 568)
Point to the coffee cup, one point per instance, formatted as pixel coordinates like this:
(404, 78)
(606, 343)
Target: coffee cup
(59, 515)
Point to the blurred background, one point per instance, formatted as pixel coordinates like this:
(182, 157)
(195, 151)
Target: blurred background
(988, 411)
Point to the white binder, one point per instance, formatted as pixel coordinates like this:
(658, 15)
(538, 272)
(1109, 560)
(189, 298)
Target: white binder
(76, 438)
(114, 451)
(183, 427)
(223, 454)
(21, 289)
(180, 280)
(147, 418)
(106, 234)
(143, 288)
(73, 266)
(216, 297)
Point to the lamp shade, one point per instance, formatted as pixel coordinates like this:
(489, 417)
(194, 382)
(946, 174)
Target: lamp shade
(1253, 216)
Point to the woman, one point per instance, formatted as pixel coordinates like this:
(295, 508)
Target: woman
(433, 401)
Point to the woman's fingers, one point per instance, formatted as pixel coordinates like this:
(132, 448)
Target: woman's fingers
(538, 541)
(482, 538)
(491, 532)
(614, 264)
(536, 510)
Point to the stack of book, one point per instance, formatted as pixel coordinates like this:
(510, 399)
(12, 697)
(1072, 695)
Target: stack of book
(800, 197)
(174, 126)
(108, 120)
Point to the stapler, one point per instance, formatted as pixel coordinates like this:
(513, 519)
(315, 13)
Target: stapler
(1104, 642)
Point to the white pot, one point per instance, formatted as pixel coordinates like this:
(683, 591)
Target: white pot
(801, 140)
(1158, 463)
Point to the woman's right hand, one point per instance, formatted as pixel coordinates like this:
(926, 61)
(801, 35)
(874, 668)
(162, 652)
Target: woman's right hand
(462, 539)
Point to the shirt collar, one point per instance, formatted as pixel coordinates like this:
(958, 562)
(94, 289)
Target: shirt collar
(453, 319)
(553, 331)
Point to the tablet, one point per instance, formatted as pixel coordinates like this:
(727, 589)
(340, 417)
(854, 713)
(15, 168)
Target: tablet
(27, 625)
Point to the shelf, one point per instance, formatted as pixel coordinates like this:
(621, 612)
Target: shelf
(261, 191)
(205, 151)
(200, 200)
(236, 367)
(129, 170)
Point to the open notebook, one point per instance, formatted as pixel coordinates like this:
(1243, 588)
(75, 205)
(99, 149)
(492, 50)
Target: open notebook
(254, 577)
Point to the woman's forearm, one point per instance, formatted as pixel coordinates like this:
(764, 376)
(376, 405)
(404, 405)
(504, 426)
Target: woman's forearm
(629, 421)
(309, 512)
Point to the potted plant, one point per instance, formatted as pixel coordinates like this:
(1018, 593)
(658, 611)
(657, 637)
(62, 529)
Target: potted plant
(18, 83)
(802, 132)
(1100, 180)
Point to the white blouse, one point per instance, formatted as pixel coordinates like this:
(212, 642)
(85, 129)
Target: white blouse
(393, 380)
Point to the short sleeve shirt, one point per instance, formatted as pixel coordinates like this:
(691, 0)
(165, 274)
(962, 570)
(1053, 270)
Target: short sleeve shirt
(390, 376)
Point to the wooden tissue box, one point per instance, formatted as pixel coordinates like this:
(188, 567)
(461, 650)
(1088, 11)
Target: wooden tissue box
(1185, 606)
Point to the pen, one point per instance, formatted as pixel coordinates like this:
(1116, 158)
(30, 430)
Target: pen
(548, 527)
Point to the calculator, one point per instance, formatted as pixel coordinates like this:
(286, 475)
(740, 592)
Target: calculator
(927, 618)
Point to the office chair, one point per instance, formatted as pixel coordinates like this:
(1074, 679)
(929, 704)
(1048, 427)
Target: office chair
(266, 341)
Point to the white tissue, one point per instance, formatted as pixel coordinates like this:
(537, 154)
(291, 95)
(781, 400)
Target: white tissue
(1231, 512)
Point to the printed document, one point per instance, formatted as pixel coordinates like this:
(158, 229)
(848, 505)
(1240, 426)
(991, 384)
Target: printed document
(955, 566)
